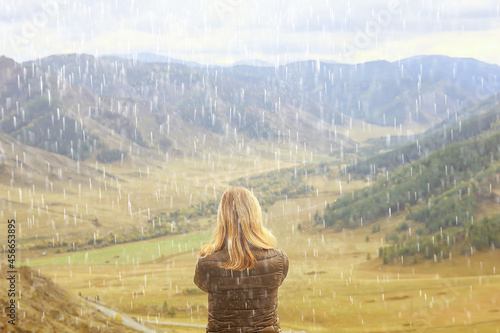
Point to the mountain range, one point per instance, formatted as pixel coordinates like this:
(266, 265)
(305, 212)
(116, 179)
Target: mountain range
(78, 105)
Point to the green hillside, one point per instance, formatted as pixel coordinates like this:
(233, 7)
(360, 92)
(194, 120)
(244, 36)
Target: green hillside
(422, 177)
(443, 134)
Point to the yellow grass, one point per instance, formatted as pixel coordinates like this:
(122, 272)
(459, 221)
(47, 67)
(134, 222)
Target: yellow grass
(330, 287)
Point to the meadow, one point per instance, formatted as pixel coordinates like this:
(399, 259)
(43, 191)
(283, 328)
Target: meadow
(336, 281)
(331, 285)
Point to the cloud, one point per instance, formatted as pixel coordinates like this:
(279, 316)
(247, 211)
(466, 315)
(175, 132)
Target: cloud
(231, 30)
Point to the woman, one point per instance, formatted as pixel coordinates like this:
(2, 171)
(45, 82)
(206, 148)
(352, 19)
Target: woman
(240, 269)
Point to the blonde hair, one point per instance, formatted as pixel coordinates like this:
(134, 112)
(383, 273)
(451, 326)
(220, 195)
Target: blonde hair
(239, 224)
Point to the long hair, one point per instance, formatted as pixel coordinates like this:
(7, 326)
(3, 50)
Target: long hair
(239, 225)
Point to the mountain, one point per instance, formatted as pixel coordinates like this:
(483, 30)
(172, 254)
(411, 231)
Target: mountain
(111, 103)
(80, 106)
(42, 111)
(442, 180)
(155, 58)
(421, 90)
(46, 307)
(424, 89)
(254, 63)
(469, 74)
(63, 113)
(475, 121)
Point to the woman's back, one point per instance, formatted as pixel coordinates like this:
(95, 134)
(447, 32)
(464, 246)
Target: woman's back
(242, 301)
(240, 268)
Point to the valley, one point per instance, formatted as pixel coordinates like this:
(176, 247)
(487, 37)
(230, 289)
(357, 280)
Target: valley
(113, 169)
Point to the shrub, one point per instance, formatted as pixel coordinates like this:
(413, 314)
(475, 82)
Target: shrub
(110, 156)
(118, 318)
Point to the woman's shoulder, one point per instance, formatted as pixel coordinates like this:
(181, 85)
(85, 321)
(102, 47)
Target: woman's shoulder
(268, 253)
(216, 257)
(272, 261)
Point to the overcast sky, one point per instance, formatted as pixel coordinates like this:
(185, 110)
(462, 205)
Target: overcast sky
(225, 31)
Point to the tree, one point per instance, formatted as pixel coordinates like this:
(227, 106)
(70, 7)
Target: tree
(171, 312)
(317, 218)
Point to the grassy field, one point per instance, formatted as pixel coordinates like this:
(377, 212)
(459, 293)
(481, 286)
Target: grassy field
(331, 285)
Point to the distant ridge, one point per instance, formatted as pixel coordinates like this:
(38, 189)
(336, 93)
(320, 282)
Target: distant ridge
(103, 98)
(254, 63)
(147, 57)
